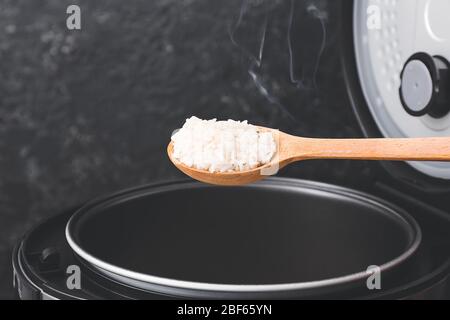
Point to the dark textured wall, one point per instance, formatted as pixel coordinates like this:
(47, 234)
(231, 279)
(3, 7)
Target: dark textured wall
(84, 113)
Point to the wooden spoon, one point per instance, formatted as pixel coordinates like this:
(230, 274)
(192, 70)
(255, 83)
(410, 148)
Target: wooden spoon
(291, 149)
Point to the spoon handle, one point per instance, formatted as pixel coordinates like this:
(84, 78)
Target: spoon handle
(405, 149)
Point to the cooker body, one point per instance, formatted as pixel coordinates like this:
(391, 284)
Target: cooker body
(277, 238)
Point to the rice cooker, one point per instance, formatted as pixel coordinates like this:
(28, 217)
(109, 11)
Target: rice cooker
(282, 238)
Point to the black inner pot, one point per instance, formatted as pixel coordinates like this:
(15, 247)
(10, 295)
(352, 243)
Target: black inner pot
(274, 232)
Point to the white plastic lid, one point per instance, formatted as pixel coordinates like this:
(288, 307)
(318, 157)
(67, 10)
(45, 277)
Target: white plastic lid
(386, 33)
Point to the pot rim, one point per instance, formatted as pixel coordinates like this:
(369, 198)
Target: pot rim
(146, 280)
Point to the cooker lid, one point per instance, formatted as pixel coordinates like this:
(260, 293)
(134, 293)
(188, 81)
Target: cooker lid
(401, 51)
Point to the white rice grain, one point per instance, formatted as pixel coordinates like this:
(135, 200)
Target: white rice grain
(222, 146)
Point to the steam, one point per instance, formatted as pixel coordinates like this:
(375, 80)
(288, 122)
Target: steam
(256, 59)
(313, 10)
(248, 7)
(255, 17)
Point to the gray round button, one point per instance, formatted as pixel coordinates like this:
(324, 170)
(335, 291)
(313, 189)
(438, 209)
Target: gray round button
(416, 86)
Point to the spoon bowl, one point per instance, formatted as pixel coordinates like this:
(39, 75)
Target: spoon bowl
(234, 178)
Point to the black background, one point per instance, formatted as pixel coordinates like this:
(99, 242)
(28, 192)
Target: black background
(88, 112)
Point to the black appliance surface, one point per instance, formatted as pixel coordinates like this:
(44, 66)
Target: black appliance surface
(281, 232)
(425, 275)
